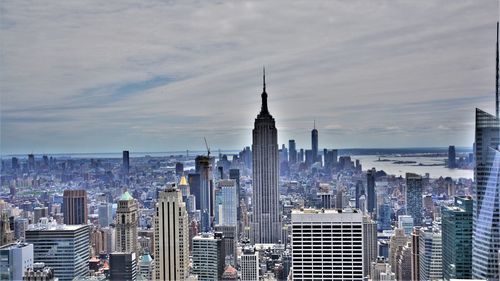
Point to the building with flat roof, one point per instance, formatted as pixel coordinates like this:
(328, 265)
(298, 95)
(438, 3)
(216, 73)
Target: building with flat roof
(15, 258)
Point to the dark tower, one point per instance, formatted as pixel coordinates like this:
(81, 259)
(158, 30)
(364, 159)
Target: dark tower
(314, 143)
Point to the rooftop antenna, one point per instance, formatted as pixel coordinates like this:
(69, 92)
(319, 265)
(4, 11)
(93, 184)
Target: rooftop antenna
(496, 80)
(208, 148)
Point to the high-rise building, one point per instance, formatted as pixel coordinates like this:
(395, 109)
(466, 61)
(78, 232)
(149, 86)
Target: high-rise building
(249, 264)
(105, 214)
(125, 163)
(292, 152)
(195, 188)
(227, 203)
(314, 143)
(486, 205)
(300, 156)
(337, 250)
(40, 212)
(20, 226)
(266, 219)
(413, 197)
(452, 158)
(31, 162)
(171, 237)
(397, 240)
(39, 272)
(384, 217)
(6, 234)
(457, 239)
(415, 254)
(179, 169)
(229, 240)
(65, 248)
(127, 219)
(204, 168)
(403, 267)
(146, 267)
(431, 254)
(406, 223)
(208, 260)
(370, 240)
(122, 266)
(75, 207)
(15, 259)
(370, 189)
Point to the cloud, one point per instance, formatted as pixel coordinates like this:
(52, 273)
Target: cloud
(93, 76)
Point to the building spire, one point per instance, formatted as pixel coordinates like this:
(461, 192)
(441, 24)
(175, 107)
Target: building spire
(264, 77)
(264, 110)
(314, 124)
(496, 80)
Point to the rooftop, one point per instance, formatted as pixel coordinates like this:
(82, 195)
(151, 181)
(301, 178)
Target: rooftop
(126, 196)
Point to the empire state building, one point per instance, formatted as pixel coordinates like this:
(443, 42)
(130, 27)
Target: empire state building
(266, 221)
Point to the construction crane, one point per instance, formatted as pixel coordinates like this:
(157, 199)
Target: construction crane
(208, 148)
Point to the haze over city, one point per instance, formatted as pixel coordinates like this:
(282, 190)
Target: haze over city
(160, 76)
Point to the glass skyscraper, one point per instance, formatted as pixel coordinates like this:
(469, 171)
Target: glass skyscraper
(414, 197)
(457, 239)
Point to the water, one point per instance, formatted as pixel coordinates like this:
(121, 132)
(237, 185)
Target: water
(369, 161)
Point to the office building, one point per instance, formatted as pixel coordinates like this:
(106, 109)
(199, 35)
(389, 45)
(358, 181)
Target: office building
(39, 272)
(370, 250)
(105, 214)
(292, 152)
(486, 214)
(6, 234)
(249, 264)
(229, 240)
(266, 218)
(146, 267)
(40, 212)
(208, 260)
(122, 266)
(74, 207)
(452, 158)
(413, 197)
(370, 189)
(64, 248)
(403, 265)
(397, 240)
(15, 259)
(126, 224)
(125, 163)
(314, 143)
(171, 236)
(227, 203)
(406, 223)
(415, 254)
(204, 168)
(337, 251)
(194, 181)
(457, 239)
(431, 254)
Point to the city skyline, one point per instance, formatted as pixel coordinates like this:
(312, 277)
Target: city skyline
(135, 88)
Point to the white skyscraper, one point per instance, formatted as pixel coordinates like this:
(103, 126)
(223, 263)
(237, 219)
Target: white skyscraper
(327, 244)
(171, 236)
(431, 254)
(266, 219)
(208, 260)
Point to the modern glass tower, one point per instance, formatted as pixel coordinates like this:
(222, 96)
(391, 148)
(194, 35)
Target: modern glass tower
(457, 239)
(414, 197)
(266, 221)
(486, 207)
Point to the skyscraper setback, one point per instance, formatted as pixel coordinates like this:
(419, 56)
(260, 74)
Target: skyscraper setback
(266, 220)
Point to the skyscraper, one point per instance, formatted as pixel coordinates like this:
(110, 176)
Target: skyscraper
(126, 224)
(249, 264)
(314, 143)
(75, 207)
(413, 197)
(337, 250)
(227, 203)
(370, 240)
(457, 239)
(204, 168)
(171, 236)
(126, 163)
(15, 259)
(65, 248)
(452, 158)
(415, 254)
(370, 189)
(292, 152)
(122, 266)
(266, 219)
(208, 260)
(431, 254)
(486, 214)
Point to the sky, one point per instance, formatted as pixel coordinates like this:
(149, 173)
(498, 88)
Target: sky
(106, 76)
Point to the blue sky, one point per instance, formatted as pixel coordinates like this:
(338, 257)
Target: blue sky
(94, 76)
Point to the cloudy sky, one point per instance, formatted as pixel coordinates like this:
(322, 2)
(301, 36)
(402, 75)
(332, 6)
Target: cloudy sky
(103, 76)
